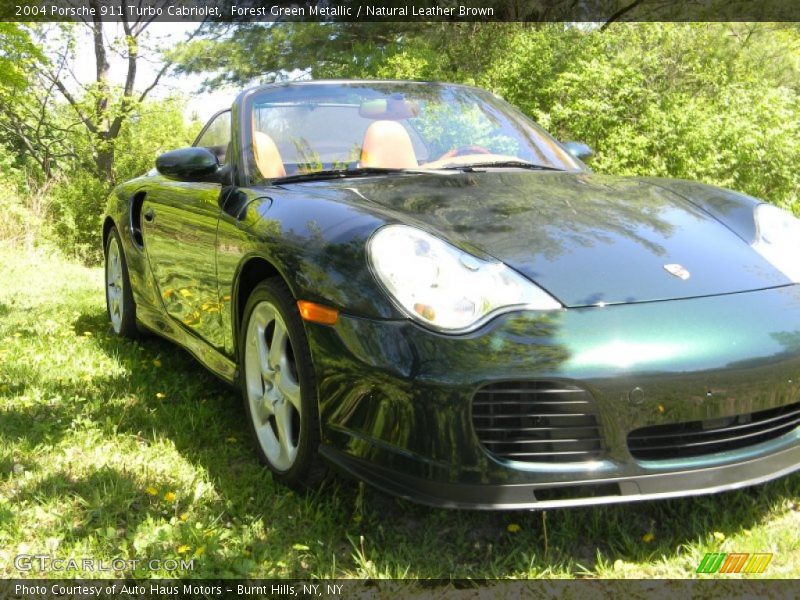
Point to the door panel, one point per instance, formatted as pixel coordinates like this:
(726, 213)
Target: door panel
(179, 223)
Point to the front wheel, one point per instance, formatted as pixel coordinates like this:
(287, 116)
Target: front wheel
(119, 297)
(278, 385)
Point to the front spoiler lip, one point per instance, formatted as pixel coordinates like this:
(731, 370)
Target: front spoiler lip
(672, 484)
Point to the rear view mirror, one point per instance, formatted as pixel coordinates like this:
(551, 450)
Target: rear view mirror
(188, 164)
(578, 149)
(393, 108)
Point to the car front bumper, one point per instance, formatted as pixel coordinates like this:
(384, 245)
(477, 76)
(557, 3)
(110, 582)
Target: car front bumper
(396, 399)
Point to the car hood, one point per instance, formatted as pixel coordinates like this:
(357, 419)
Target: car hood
(587, 239)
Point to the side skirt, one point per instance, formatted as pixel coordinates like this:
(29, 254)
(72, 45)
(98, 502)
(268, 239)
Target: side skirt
(216, 362)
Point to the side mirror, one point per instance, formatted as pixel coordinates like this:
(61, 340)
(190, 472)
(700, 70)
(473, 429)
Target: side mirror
(579, 150)
(188, 164)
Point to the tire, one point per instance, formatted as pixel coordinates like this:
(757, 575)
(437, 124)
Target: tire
(279, 387)
(120, 306)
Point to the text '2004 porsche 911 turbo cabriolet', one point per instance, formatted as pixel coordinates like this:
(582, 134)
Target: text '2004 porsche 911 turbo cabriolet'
(415, 284)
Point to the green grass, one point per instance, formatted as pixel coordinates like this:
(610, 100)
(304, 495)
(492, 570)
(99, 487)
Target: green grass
(113, 449)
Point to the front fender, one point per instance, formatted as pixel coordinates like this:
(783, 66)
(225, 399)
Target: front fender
(733, 209)
(319, 247)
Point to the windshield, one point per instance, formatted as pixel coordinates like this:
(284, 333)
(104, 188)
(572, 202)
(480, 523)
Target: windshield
(320, 127)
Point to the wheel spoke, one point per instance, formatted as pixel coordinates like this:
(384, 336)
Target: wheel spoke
(289, 389)
(263, 354)
(283, 420)
(277, 348)
(266, 409)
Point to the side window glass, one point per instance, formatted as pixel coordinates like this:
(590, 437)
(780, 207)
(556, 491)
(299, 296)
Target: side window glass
(217, 136)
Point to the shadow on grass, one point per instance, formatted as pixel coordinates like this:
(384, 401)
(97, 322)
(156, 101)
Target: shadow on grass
(204, 420)
(92, 502)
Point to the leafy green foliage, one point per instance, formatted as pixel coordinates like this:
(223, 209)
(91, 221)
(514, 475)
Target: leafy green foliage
(78, 199)
(452, 127)
(694, 101)
(17, 51)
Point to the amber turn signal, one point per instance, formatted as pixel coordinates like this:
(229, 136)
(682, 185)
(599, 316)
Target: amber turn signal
(316, 313)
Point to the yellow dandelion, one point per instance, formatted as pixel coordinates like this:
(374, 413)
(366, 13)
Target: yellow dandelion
(151, 491)
(170, 496)
(183, 549)
(185, 293)
(513, 528)
(161, 395)
(156, 362)
(200, 551)
(184, 517)
(648, 537)
(661, 408)
(719, 536)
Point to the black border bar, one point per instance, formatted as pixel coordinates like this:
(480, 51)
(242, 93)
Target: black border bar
(233, 11)
(731, 588)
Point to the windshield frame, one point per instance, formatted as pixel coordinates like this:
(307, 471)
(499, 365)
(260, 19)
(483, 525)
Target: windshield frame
(248, 99)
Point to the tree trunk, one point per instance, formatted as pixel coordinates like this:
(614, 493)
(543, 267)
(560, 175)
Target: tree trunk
(105, 163)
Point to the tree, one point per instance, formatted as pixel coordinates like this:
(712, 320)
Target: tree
(32, 120)
(60, 133)
(21, 114)
(101, 108)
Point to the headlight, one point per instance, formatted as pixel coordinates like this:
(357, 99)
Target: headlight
(778, 239)
(443, 287)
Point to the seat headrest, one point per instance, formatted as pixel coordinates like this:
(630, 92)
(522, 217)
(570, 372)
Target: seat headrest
(387, 145)
(268, 158)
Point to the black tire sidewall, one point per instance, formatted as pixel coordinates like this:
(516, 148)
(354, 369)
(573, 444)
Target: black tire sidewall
(303, 471)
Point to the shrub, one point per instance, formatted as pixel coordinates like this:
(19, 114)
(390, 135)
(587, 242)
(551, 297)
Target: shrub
(78, 196)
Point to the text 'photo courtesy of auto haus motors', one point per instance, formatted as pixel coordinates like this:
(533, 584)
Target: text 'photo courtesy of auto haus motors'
(415, 284)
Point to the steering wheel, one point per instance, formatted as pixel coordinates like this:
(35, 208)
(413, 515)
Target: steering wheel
(464, 150)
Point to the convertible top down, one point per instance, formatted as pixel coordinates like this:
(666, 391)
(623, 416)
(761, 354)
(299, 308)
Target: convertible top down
(415, 284)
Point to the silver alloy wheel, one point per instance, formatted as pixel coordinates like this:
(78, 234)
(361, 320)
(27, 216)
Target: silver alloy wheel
(115, 294)
(273, 389)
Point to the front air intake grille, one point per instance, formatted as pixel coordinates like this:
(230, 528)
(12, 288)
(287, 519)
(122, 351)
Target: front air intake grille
(537, 421)
(697, 438)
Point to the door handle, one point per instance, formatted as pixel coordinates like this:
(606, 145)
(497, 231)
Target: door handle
(149, 215)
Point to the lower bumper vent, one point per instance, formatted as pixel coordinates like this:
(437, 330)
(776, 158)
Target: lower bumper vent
(697, 438)
(537, 421)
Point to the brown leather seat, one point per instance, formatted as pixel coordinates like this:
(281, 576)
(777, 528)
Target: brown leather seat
(268, 158)
(387, 145)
